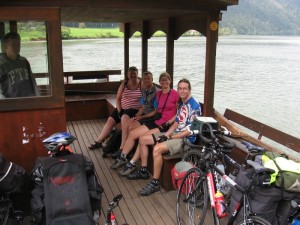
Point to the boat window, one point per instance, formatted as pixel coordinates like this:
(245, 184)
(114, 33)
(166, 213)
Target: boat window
(24, 70)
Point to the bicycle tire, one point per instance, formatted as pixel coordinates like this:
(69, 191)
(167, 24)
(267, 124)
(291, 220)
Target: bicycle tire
(255, 220)
(194, 156)
(192, 198)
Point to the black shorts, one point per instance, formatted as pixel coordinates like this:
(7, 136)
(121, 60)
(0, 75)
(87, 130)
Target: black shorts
(130, 112)
(151, 125)
(145, 120)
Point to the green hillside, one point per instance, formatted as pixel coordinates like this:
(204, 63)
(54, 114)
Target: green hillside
(263, 17)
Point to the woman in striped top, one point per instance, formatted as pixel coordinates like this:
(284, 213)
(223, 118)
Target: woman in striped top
(128, 104)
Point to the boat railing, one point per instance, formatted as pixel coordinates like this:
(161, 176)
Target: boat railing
(290, 142)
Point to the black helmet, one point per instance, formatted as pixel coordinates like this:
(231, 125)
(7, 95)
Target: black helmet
(57, 140)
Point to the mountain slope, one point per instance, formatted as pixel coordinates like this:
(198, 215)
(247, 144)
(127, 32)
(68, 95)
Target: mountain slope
(263, 17)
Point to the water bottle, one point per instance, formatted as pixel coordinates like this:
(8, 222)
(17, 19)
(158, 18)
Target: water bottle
(220, 204)
(112, 219)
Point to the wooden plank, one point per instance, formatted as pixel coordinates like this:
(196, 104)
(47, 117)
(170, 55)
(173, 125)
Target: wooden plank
(263, 129)
(158, 208)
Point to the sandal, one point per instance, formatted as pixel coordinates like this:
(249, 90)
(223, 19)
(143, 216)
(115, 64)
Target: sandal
(96, 145)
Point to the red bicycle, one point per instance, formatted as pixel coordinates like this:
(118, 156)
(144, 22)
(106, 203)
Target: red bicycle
(201, 184)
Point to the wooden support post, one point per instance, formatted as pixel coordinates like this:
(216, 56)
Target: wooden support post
(170, 48)
(126, 48)
(210, 64)
(145, 46)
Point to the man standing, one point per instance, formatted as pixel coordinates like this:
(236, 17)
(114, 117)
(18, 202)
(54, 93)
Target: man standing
(169, 142)
(16, 78)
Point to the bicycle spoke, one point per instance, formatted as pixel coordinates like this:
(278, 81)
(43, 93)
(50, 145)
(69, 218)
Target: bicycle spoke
(195, 157)
(192, 198)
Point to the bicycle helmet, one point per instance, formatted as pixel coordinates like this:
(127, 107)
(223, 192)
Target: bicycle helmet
(57, 140)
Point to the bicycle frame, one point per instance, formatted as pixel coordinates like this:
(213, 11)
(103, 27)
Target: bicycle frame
(112, 205)
(247, 210)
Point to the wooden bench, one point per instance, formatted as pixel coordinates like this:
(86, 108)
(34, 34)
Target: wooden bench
(84, 75)
(262, 130)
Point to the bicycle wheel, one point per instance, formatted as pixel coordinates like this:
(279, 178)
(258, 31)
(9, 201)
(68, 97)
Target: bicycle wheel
(192, 198)
(255, 220)
(194, 156)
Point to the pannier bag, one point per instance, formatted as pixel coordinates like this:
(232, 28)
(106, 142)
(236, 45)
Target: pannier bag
(263, 200)
(287, 172)
(12, 176)
(177, 174)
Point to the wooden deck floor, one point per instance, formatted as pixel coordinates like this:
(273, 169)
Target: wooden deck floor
(157, 209)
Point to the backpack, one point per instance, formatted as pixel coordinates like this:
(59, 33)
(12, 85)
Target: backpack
(113, 143)
(12, 176)
(70, 189)
(287, 172)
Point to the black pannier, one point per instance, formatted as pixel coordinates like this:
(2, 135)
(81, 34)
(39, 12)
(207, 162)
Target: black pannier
(12, 176)
(263, 200)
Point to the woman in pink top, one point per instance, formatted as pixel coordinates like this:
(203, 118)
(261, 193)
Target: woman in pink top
(128, 103)
(166, 107)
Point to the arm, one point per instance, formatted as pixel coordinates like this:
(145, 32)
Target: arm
(119, 96)
(171, 129)
(33, 81)
(179, 135)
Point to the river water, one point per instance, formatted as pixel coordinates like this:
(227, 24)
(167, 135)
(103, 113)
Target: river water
(258, 76)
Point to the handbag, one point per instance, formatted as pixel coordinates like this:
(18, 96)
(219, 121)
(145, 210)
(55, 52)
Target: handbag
(158, 115)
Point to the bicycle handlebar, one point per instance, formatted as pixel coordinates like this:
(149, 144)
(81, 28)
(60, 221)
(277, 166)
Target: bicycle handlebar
(210, 131)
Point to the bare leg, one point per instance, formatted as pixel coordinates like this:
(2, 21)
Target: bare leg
(110, 123)
(125, 122)
(133, 135)
(158, 150)
(134, 125)
(144, 141)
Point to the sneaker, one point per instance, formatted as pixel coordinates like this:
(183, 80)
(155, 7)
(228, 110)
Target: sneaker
(117, 154)
(127, 169)
(96, 145)
(138, 175)
(119, 162)
(149, 189)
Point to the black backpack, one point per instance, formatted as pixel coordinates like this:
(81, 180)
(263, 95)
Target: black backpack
(68, 188)
(113, 143)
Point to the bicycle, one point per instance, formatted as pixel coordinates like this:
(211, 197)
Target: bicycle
(200, 184)
(8, 215)
(111, 206)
